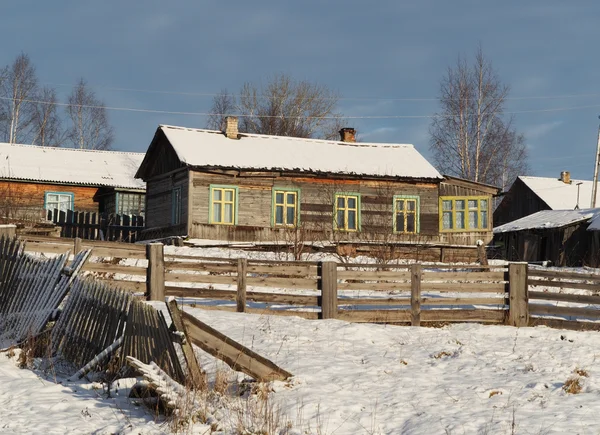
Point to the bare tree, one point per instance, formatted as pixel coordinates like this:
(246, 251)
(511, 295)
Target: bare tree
(18, 90)
(89, 128)
(224, 104)
(283, 107)
(471, 138)
(46, 123)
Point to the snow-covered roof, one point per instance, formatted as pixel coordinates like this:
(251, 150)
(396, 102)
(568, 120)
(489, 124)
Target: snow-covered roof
(559, 195)
(70, 166)
(197, 147)
(548, 219)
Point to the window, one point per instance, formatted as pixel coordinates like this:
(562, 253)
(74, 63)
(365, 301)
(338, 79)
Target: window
(176, 206)
(130, 203)
(223, 205)
(406, 214)
(346, 212)
(62, 201)
(285, 207)
(464, 213)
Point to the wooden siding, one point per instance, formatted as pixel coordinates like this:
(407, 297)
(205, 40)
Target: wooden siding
(518, 202)
(159, 191)
(316, 206)
(25, 200)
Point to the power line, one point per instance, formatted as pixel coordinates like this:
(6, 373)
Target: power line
(416, 99)
(172, 112)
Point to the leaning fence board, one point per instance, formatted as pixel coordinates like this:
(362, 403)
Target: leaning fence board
(565, 297)
(564, 311)
(563, 284)
(237, 356)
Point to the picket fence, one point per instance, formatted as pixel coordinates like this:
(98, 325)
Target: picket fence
(97, 226)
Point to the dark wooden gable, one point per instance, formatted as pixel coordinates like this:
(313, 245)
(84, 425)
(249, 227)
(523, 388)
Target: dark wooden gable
(453, 186)
(518, 202)
(160, 158)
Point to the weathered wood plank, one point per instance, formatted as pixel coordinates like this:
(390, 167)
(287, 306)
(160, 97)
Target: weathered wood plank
(415, 295)
(195, 266)
(465, 287)
(358, 301)
(374, 275)
(518, 312)
(115, 268)
(553, 310)
(555, 274)
(375, 286)
(241, 285)
(310, 315)
(465, 276)
(237, 356)
(563, 284)
(375, 316)
(329, 289)
(200, 278)
(291, 283)
(155, 274)
(117, 253)
(564, 324)
(463, 301)
(483, 316)
(197, 375)
(565, 297)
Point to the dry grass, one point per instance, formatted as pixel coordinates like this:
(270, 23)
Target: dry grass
(572, 385)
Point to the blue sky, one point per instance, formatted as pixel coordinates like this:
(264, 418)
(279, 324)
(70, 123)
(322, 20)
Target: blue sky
(377, 55)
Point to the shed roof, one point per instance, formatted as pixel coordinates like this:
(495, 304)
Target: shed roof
(559, 195)
(209, 148)
(70, 166)
(548, 219)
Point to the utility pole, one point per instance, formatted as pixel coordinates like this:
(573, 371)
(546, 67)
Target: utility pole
(595, 182)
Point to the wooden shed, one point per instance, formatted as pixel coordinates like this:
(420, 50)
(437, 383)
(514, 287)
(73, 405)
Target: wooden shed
(35, 179)
(556, 236)
(218, 185)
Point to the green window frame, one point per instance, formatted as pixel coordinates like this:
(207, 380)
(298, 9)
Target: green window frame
(464, 213)
(223, 204)
(62, 201)
(407, 209)
(346, 212)
(285, 207)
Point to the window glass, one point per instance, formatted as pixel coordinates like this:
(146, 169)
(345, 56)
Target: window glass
(285, 207)
(223, 205)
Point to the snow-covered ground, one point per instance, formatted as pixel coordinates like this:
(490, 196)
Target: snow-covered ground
(361, 379)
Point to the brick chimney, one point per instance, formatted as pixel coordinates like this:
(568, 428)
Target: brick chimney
(565, 177)
(348, 135)
(231, 127)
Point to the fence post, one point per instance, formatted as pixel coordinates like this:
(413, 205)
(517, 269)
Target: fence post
(155, 274)
(242, 265)
(77, 246)
(327, 271)
(415, 294)
(518, 299)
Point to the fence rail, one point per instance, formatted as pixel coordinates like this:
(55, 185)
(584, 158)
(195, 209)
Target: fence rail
(392, 293)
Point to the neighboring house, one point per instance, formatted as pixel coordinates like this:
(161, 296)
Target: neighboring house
(557, 236)
(528, 195)
(35, 179)
(248, 187)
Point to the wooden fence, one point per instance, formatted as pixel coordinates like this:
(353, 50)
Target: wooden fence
(97, 226)
(401, 294)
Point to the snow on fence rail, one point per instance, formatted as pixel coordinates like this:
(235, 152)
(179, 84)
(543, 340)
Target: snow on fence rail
(407, 294)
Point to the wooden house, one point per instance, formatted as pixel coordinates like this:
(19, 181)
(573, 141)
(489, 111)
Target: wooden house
(35, 179)
(528, 195)
(223, 185)
(560, 237)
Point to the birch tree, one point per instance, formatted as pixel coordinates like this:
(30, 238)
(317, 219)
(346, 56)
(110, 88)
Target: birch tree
(89, 127)
(471, 137)
(283, 107)
(46, 122)
(18, 91)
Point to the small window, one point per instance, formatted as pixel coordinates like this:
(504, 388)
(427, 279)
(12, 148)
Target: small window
(223, 205)
(62, 201)
(347, 212)
(131, 203)
(176, 206)
(285, 208)
(406, 214)
(464, 213)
